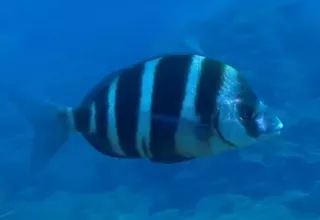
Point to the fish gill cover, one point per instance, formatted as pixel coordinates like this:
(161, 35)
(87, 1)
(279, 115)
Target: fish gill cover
(57, 50)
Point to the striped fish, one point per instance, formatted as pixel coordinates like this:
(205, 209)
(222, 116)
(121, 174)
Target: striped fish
(166, 109)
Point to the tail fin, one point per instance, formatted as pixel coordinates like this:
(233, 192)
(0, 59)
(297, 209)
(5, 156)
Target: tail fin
(50, 126)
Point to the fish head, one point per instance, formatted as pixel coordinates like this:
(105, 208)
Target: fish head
(245, 124)
(244, 119)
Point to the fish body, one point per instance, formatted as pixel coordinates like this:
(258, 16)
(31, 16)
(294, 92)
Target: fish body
(166, 109)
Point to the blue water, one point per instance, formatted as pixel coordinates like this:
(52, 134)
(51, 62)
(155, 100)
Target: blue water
(58, 49)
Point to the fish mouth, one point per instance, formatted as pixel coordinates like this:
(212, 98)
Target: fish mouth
(277, 128)
(270, 125)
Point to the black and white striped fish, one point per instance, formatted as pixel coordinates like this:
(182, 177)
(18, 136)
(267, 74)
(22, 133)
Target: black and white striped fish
(167, 109)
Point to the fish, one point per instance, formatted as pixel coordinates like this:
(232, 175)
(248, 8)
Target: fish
(166, 109)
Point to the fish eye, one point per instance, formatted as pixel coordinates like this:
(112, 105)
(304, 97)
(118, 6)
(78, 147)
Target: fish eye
(248, 117)
(248, 113)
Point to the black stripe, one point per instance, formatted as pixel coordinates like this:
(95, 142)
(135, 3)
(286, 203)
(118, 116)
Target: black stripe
(247, 108)
(127, 108)
(210, 83)
(219, 133)
(82, 119)
(99, 140)
(101, 112)
(168, 94)
(99, 95)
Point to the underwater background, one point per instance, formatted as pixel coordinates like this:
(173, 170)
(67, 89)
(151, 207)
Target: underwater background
(58, 49)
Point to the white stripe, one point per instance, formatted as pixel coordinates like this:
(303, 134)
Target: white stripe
(93, 122)
(70, 119)
(144, 125)
(186, 142)
(112, 125)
